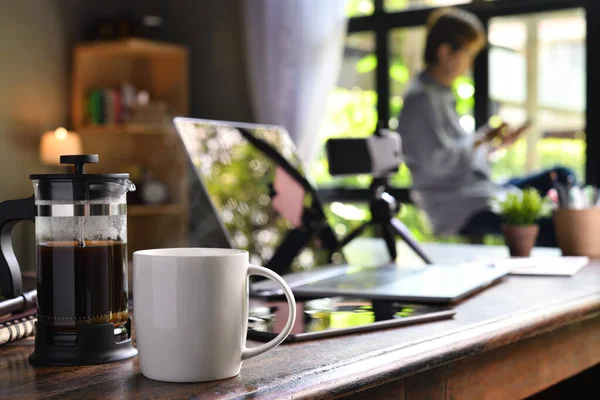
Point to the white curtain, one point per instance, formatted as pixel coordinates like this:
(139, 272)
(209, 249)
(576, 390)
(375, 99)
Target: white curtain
(294, 49)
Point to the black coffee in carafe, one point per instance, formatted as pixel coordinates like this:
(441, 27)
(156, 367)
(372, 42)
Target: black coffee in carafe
(81, 245)
(82, 284)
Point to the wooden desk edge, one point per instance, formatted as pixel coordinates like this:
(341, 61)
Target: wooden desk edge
(377, 368)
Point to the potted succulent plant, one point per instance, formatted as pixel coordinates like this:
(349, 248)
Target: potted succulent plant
(520, 211)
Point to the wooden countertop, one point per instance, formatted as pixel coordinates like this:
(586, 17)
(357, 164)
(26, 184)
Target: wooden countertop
(519, 307)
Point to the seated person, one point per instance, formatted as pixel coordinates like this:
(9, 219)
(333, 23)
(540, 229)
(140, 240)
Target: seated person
(450, 168)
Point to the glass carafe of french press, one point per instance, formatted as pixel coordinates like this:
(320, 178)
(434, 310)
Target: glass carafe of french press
(81, 243)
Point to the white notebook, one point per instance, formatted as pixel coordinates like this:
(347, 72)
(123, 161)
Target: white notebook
(557, 266)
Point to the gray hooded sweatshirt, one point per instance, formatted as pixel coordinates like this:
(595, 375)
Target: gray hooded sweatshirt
(451, 178)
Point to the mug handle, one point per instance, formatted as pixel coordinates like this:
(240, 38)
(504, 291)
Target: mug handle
(267, 273)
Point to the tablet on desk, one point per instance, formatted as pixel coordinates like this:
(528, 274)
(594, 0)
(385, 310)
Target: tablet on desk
(335, 316)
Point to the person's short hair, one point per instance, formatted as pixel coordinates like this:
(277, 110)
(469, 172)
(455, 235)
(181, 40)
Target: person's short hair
(453, 26)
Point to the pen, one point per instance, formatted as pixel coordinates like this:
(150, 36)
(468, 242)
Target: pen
(576, 198)
(553, 195)
(572, 194)
(24, 302)
(570, 181)
(588, 196)
(560, 190)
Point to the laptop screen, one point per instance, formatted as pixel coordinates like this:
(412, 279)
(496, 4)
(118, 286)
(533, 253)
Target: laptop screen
(256, 201)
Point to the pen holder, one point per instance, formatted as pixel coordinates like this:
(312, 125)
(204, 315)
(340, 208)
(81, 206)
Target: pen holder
(578, 231)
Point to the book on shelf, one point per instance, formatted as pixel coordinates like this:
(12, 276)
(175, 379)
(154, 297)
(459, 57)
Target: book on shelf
(96, 106)
(108, 95)
(110, 106)
(114, 106)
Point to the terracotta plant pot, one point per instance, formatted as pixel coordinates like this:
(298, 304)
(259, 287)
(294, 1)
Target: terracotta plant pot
(578, 231)
(520, 239)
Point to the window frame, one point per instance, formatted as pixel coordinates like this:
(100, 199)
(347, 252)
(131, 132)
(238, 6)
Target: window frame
(381, 22)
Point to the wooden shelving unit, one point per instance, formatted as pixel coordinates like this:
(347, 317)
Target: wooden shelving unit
(162, 70)
(127, 129)
(131, 47)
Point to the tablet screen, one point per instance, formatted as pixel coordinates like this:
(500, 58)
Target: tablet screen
(336, 315)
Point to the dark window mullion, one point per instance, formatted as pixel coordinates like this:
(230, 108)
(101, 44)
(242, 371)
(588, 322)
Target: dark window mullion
(383, 65)
(481, 78)
(504, 8)
(403, 19)
(592, 167)
(378, 6)
(382, 77)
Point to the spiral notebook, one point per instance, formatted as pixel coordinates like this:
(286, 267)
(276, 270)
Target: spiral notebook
(16, 327)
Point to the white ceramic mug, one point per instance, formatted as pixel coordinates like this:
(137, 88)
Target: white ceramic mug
(191, 312)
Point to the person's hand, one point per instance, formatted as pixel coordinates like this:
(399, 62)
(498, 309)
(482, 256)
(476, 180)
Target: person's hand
(510, 138)
(491, 134)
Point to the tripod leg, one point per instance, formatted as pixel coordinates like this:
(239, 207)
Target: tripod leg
(353, 235)
(405, 234)
(388, 236)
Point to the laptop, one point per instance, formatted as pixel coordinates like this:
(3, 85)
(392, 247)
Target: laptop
(238, 178)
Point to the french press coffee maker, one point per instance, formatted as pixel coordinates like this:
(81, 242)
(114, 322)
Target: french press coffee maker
(81, 256)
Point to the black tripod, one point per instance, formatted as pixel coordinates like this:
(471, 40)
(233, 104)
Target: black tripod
(384, 208)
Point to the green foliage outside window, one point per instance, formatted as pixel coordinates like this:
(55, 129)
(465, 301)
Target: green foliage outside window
(353, 113)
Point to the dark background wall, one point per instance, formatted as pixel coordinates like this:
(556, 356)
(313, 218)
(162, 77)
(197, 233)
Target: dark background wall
(212, 30)
(36, 47)
(37, 38)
